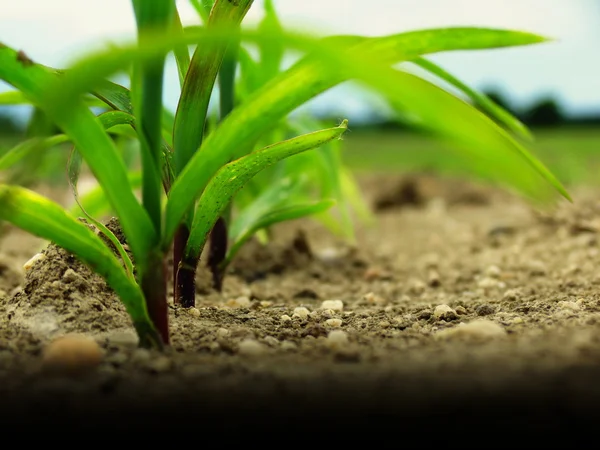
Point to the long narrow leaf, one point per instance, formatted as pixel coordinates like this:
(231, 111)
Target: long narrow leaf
(147, 86)
(46, 219)
(317, 73)
(192, 108)
(233, 176)
(480, 100)
(88, 134)
(73, 171)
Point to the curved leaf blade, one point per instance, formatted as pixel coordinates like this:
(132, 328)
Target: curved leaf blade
(233, 176)
(482, 101)
(328, 66)
(88, 134)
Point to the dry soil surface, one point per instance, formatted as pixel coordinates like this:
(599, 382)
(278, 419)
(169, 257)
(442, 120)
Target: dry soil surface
(462, 312)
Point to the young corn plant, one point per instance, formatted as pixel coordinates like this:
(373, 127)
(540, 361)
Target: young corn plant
(190, 172)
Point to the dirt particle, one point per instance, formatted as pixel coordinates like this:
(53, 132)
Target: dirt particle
(444, 312)
(433, 279)
(485, 310)
(194, 312)
(373, 299)
(573, 306)
(72, 354)
(24, 59)
(301, 312)
(416, 287)
(285, 319)
(477, 330)
(314, 331)
(336, 305)
(337, 339)
(333, 323)
(239, 302)
(34, 259)
(289, 346)
(512, 294)
(251, 347)
(160, 364)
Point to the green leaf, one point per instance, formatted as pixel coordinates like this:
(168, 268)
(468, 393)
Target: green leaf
(18, 152)
(233, 176)
(286, 213)
(87, 133)
(193, 103)
(73, 171)
(329, 66)
(147, 87)
(271, 50)
(46, 219)
(182, 55)
(480, 100)
(22, 149)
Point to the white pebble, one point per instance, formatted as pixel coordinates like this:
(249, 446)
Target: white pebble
(194, 312)
(442, 310)
(301, 312)
(569, 305)
(222, 332)
(476, 330)
(35, 258)
(337, 339)
(285, 318)
(250, 347)
(333, 323)
(336, 305)
(493, 271)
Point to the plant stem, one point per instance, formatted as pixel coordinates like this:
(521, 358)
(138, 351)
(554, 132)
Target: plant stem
(185, 286)
(154, 287)
(217, 252)
(179, 243)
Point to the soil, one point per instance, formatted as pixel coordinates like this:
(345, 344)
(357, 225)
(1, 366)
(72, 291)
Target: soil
(462, 312)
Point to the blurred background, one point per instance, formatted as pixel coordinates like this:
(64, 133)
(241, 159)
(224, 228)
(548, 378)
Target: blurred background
(553, 87)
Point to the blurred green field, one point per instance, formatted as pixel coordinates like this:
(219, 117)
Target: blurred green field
(572, 153)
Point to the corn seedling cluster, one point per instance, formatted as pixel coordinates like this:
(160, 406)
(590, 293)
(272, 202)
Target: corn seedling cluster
(194, 166)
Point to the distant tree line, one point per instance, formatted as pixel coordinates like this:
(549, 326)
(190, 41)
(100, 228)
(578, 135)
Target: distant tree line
(546, 112)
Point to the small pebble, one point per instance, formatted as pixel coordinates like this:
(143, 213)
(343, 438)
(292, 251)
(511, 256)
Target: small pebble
(222, 332)
(72, 354)
(442, 311)
(285, 318)
(333, 323)
(433, 279)
(493, 271)
(301, 312)
(485, 310)
(511, 294)
(194, 312)
(35, 258)
(417, 287)
(337, 339)
(336, 305)
(373, 299)
(569, 305)
(250, 347)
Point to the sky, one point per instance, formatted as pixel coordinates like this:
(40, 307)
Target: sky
(567, 68)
